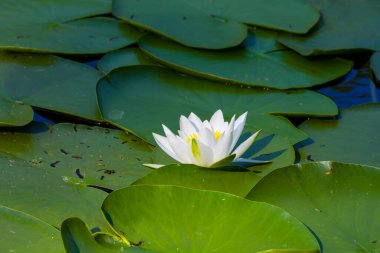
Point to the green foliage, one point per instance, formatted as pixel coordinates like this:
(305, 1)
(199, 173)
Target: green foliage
(338, 202)
(260, 62)
(14, 113)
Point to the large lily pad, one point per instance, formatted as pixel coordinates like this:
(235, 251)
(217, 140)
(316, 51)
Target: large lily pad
(295, 16)
(339, 202)
(202, 221)
(352, 138)
(182, 22)
(234, 180)
(261, 62)
(21, 232)
(375, 64)
(50, 82)
(14, 113)
(62, 26)
(141, 98)
(39, 192)
(346, 25)
(93, 156)
(78, 239)
(122, 58)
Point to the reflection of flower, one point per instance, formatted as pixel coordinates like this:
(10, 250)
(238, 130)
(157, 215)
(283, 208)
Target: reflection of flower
(205, 143)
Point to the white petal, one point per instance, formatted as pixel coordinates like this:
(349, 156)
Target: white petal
(206, 158)
(207, 137)
(180, 148)
(217, 120)
(223, 145)
(195, 120)
(239, 126)
(167, 131)
(153, 166)
(239, 151)
(186, 126)
(165, 146)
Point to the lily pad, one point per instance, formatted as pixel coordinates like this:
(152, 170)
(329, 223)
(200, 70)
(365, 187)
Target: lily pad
(182, 22)
(261, 62)
(50, 82)
(39, 192)
(122, 58)
(13, 113)
(347, 139)
(122, 92)
(339, 29)
(62, 26)
(87, 155)
(78, 239)
(338, 202)
(21, 232)
(235, 181)
(375, 64)
(202, 221)
(295, 16)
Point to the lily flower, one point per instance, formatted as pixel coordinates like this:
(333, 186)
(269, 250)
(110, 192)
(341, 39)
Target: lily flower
(208, 143)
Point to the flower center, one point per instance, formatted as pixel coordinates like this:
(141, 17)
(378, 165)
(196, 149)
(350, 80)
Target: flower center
(191, 137)
(217, 134)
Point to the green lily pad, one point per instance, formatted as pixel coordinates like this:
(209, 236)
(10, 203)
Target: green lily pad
(78, 239)
(39, 192)
(339, 202)
(13, 113)
(234, 181)
(141, 98)
(375, 64)
(93, 156)
(182, 22)
(353, 138)
(62, 26)
(347, 25)
(50, 82)
(295, 16)
(122, 58)
(21, 232)
(202, 221)
(261, 62)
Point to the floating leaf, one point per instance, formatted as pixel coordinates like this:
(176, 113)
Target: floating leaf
(13, 113)
(295, 16)
(261, 62)
(39, 192)
(122, 58)
(202, 221)
(347, 25)
(235, 181)
(353, 138)
(375, 64)
(21, 232)
(93, 156)
(50, 82)
(338, 202)
(62, 26)
(78, 239)
(182, 22)
(141, 98)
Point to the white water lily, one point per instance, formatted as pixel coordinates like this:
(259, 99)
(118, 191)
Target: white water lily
(205, 143)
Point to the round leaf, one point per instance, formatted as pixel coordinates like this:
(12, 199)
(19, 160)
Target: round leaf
(141, 98)
(175, 219)
(21, 232)
(340, 30)
(62, 26)
(353, 138)
(14, 113)
(261, 62)
(182, 22)
(122, 58)
(50, 82)
(339, 202)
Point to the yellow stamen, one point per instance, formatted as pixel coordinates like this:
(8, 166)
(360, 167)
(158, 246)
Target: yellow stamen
(195, 149)
(217, 135)
(191, 137)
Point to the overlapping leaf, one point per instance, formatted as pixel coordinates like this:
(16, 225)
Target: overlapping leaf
(260, 62)
(142, 98)
(62, 26)
(14, 113)
(338, 202)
